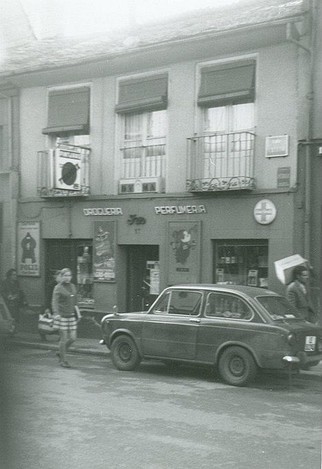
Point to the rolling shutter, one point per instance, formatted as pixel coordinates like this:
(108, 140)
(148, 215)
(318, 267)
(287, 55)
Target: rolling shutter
(68, 111)
(233, 83)
(145, 94)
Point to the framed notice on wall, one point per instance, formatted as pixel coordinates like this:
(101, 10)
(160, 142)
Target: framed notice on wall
(28, 248)
(276, 146)
(104, 251)
(184, 252)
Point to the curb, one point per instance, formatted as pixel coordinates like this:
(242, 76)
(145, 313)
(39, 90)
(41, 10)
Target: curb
(46, 346)
(311, 374)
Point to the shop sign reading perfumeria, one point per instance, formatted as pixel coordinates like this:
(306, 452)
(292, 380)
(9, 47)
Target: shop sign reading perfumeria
(179, 209)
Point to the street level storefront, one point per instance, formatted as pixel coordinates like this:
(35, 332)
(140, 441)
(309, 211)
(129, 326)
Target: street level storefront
(124, 251)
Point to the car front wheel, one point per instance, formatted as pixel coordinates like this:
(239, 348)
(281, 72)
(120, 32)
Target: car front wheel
(125, 355)
(237, 366)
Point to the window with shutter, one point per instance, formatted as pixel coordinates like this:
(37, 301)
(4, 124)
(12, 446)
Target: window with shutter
(227, 84)
(144, 94)
(68, 111)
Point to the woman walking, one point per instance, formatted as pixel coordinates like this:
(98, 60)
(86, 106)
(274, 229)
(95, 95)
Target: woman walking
(64, 304)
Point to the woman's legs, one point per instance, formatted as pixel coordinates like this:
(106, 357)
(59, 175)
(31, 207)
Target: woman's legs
(62, 345)
(67, 338)
(71, 339)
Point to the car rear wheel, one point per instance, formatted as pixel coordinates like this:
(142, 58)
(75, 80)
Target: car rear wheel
(125, 355)
(237, 366)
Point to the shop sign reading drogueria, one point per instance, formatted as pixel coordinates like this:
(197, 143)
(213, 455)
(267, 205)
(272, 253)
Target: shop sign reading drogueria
(102, 211)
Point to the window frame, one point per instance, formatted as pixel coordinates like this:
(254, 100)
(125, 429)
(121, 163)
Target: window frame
(62, 131)
(168, 297)
(231, 317)
(241, 94)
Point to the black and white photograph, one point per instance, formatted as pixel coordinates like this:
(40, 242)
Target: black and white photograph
(161, 234)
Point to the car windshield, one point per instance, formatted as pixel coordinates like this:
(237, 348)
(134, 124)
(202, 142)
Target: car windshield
(278, 307)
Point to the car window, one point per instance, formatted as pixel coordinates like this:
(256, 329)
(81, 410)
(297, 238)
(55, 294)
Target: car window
(224, 305)
(181, 302)
(162, 305)
(185, 302)
(278, 307)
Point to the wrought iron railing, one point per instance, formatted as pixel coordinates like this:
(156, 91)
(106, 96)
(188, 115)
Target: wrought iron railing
(221, 162)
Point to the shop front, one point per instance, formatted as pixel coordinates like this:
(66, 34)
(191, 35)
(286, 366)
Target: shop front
(123, 252)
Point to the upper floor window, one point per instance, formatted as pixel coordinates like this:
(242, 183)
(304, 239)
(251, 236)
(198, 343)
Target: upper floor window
(142, 105)
(226, 99)
(68, 116)
(146, 130)
(226, 96)
(229, 118)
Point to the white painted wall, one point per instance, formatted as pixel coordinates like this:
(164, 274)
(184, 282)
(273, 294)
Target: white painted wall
(276, 114)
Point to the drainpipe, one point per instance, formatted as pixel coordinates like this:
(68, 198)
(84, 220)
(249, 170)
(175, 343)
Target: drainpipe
(293, 36)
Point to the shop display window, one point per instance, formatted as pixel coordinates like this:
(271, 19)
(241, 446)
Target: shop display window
(84, 275)
(242, 262)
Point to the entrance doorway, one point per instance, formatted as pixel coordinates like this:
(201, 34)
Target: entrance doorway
(77, 255)
(143, 276)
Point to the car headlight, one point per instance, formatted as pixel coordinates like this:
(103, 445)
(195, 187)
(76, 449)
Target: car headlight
(291, 339)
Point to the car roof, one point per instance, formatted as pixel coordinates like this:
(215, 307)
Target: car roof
(247, 290)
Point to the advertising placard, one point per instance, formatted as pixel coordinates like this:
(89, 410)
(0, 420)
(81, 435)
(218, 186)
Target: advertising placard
(184, 252)
(104, 251)
(28, 248)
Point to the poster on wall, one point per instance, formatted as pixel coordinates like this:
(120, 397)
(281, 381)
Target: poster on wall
(184, 252)
(104, 251)
(28, 248)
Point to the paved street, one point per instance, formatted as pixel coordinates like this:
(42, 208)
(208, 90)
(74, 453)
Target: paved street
(93, 416)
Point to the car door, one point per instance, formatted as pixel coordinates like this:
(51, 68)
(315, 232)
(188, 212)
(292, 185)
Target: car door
(170, 328)
(227, 319)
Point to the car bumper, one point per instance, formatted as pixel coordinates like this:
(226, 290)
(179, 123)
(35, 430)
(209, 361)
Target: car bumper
(302, 360)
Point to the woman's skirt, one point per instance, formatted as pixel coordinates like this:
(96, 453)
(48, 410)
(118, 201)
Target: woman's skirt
(66, 324)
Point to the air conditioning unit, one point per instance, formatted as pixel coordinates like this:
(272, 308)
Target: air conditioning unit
(66, 169)
(140, 185)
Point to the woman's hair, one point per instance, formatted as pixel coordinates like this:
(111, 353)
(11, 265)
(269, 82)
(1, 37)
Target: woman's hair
(61, 273)
(64, 271)
(298, 270)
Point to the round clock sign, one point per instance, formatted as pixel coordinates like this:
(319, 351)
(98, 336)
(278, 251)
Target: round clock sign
(69, 173)
(265, 212)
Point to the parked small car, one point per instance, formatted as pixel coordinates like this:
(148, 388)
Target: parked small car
(236, 329)
(7, 323)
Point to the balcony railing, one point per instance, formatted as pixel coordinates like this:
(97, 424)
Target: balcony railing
(143, 161)
(220, 162)
(63, 172)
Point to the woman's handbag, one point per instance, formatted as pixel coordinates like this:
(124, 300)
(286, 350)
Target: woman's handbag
(77, 314)
(47, 323)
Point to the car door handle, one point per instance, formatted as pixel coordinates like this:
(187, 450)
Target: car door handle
(197, 320)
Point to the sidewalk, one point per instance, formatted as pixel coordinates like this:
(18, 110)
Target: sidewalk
(86, 346)
(93, 347)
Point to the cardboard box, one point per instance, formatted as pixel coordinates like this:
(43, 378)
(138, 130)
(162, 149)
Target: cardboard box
(284, 267)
